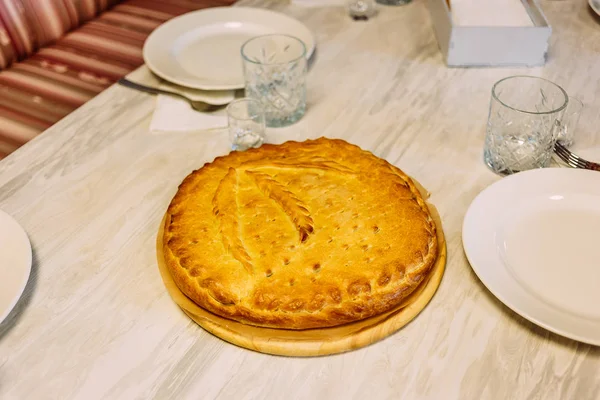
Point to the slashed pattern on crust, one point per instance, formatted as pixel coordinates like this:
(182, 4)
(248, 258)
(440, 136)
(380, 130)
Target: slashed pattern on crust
(299, 235)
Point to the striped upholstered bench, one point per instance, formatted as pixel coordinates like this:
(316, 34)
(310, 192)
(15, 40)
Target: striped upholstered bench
(57, 54)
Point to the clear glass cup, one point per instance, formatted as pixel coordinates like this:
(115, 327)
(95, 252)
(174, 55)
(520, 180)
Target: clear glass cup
(361, 9)
(569, 121)
(246, 121)
(275, 74)
(523, 123)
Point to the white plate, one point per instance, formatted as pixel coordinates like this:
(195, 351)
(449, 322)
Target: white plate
(595, 5)
(15, 263)
(533, 239)
(202, 49)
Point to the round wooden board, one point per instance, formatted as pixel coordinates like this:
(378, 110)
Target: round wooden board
(312, 342)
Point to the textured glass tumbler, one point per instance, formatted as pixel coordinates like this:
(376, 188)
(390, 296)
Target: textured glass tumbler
(523, 123)
(361, 9)
(246, 122)
(570, 121)
(275, 74)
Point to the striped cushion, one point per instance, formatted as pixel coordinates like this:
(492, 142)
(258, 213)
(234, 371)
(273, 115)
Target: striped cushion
(27, 25)
(58, 78)
(19, 40)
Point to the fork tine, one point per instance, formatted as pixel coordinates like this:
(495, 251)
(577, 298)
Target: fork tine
(578, 161)
(566, 155)
(563, 154)
(573, 159)
(560, 146)
(570, 158)
(559, 150)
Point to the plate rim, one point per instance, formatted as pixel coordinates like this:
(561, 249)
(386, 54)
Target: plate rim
(595, 7)
(148, 42)
(19, 231)
(490, 286)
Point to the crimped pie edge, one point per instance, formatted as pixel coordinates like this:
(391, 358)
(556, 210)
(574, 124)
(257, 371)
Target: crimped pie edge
(332, 315)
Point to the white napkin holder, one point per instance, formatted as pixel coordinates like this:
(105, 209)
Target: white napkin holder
(490, 45)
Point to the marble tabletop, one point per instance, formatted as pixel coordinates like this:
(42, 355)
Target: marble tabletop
(95, 321)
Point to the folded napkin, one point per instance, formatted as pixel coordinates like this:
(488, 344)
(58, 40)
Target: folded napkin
(173, 114)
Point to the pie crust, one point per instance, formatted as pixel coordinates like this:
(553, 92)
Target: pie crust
(299, 235)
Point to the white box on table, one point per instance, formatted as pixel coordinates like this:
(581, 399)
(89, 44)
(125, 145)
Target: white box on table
(491, 45)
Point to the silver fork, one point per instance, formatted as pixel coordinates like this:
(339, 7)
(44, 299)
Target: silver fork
(574, 160)
(196, 104)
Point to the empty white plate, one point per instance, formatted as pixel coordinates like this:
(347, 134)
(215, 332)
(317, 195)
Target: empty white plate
(533, 239)
(15, 263)
(202, 49)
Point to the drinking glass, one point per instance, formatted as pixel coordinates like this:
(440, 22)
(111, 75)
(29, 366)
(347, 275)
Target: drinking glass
(569, 121)
(361, 9)
(275, 74)
(523, 123)
(246, 121)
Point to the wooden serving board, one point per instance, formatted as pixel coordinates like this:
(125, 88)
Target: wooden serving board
(312, 342)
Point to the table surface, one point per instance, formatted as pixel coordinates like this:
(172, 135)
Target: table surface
(95, 320)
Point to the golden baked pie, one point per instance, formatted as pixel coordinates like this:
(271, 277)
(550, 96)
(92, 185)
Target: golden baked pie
(298, 235)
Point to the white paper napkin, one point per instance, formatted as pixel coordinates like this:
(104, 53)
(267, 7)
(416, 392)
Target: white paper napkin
(174, 115)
